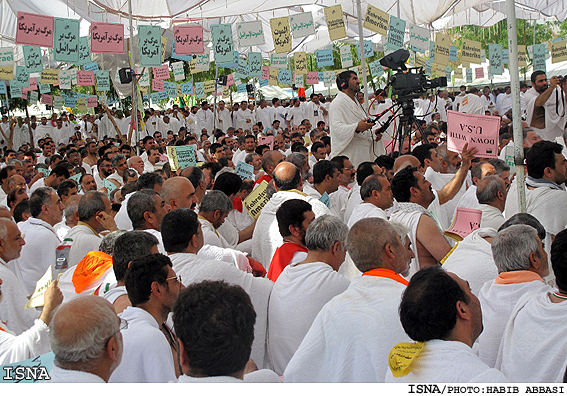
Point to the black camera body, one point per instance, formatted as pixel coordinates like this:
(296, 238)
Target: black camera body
(411, 82)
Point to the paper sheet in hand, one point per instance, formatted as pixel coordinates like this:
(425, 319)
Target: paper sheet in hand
(244, 170)
(477, 130)
(36, 300)
(181, 157)
(466, 221)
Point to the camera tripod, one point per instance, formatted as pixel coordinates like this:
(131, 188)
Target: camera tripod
(406, 120)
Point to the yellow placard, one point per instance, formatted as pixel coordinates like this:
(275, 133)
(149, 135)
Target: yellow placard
(209, 86)
(458, 72)
(193, 67)
(335, 22)
(376, 20)
(442, 48)
(37, 298)
(255, 202)
(470, 52)
(558, 51)
(50, 76)
(274, 74)
(82, 105)
(281, 34)
(522, 56)
(172, 155)
(7, 72)
(179, 92)
(300, 60)
(144, 90)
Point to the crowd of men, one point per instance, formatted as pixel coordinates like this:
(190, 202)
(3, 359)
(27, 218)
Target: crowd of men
(346, 275)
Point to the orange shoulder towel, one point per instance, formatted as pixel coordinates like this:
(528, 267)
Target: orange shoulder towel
(282, 257)
(386, 273)
(90, 268)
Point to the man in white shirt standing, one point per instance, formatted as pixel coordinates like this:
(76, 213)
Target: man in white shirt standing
(224, 120)
(244, 117)
(264, 115)
(204, 119)
(315, 112)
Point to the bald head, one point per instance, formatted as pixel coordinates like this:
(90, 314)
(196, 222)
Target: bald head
(16, 181)
(178, 192)
(80, 335)
(406, 160)
(271, 159)
(287, 176)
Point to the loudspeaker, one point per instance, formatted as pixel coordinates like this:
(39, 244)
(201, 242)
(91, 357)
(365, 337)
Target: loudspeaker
(125, 75)
(222, 80)
(249, 88)
(4, 110)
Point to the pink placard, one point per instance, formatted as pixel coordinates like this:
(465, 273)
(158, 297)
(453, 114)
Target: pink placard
(477, 130)
(33, 29)
(230, 80)
(188, 39)
(161, 72)
(265, 72)
(479, 72)
(47, 99)
(32, 87)
(92, 101)
(85, 77)
(158, 85)
(466, 221)
(107, 38)
(312, 78)
(268, 140)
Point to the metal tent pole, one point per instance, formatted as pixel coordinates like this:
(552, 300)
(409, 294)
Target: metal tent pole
(516, 112)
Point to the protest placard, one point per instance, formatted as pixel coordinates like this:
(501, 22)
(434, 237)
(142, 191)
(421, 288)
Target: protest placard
(256, 200)
(466, 221)
(477, 130)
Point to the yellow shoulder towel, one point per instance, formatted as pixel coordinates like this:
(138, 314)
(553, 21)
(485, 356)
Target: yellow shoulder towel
(402, 356)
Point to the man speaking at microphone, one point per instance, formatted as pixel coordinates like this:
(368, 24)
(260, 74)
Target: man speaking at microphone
(351, 133)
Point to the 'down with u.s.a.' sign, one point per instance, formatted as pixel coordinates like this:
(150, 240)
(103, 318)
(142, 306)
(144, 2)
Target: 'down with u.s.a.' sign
(477, 130)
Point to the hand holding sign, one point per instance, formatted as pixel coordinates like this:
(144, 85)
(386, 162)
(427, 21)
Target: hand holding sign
(52, 299)
(467, 155)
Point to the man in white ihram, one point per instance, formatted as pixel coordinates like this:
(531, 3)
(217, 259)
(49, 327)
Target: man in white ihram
(350, 130)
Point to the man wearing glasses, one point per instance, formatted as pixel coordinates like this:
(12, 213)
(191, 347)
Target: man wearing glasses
(152, 288)
(86, 338)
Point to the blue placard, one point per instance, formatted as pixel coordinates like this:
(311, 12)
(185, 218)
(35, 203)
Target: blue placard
(453, 50)
(92, 66)
(263, 82)
(187, 88)
(321, 76)
(368, 50)
(324, 58)
(244, 170)
(233, 64)
(186, 58)
(241, 88)
(40, 367)
(326, 199)
(285, 76)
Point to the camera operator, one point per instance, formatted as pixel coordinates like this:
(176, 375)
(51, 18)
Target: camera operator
(545, 105)
(350, 130)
